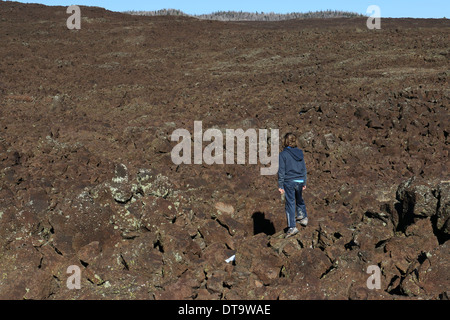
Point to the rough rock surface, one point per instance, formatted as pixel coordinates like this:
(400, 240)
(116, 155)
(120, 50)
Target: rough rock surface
(87, 177)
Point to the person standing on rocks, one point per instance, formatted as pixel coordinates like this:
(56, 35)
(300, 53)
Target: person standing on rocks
(292, 182)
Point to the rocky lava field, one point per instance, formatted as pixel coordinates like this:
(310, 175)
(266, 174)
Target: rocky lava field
(87, 179)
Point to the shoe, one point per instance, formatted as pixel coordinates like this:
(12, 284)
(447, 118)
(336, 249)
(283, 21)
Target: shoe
(304, 221)
(300, 216)
(291, 232)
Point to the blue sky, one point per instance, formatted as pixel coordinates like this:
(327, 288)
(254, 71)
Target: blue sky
(389, 8)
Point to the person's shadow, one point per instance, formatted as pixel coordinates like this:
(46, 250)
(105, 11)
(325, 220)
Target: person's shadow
(261, 224)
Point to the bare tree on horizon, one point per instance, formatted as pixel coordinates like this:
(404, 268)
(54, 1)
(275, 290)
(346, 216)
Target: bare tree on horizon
(251, 16)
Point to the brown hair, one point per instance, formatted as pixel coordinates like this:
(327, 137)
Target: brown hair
(289, 140)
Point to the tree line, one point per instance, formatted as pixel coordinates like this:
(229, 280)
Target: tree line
(251, 16)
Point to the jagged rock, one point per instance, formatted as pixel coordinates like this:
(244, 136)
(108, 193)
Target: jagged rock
(287, 247)
(182, 289)
(89, 252)
(417, 199)
(443, 212)
(120, 187)
(372, 232)
(214, 256)
(430, 277)
(213, 232)
(268, 268)
(224, 208)
(151, 183)
(161, 144)
(87, 177)
(215, 282)
(404, 253)
(308, 263)
(233, 226)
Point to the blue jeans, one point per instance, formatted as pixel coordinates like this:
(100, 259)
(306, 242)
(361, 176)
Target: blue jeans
(294, 205)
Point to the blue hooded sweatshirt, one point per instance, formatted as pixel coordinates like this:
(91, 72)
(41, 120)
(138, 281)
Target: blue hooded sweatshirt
(291, 166)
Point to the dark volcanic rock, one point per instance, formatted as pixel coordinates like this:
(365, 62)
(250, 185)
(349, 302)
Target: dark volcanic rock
(87, 179)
